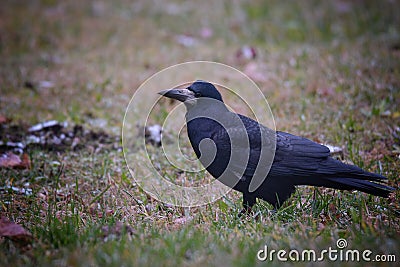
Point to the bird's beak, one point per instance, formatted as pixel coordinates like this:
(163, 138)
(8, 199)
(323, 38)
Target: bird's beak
(182, 95)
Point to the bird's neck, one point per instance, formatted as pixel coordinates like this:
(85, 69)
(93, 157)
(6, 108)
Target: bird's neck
(213, 109)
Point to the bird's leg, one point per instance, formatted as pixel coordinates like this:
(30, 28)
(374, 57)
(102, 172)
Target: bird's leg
(248, 203)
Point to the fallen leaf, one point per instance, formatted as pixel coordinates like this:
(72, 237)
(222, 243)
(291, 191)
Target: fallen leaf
(15, 232)
(4, 119)
(10, 160)
(26, 161)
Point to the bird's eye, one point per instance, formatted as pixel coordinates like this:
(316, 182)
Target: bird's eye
(197, 94)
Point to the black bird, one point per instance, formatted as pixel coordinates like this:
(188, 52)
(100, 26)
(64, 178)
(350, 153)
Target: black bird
(230, 146)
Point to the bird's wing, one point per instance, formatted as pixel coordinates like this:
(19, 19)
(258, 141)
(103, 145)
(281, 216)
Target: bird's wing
(293, 155)
(296, 146)
(299, 157)
(245, 144)
(242, 135)
(296, 155)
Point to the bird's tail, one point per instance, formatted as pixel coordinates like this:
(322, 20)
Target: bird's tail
(338, 175)
(369, 187)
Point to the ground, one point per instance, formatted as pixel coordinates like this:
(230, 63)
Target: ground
(329, 69)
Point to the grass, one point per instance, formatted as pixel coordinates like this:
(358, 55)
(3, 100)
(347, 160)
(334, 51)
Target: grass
(331, 73)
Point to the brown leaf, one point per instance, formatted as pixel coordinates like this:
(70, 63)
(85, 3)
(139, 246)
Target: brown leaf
(14, 231)
(4, 119)
(10, 160)
(26, 162)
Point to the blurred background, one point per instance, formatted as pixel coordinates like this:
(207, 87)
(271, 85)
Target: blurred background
(81, 61)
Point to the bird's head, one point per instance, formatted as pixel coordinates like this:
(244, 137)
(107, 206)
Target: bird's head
(189, 95)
